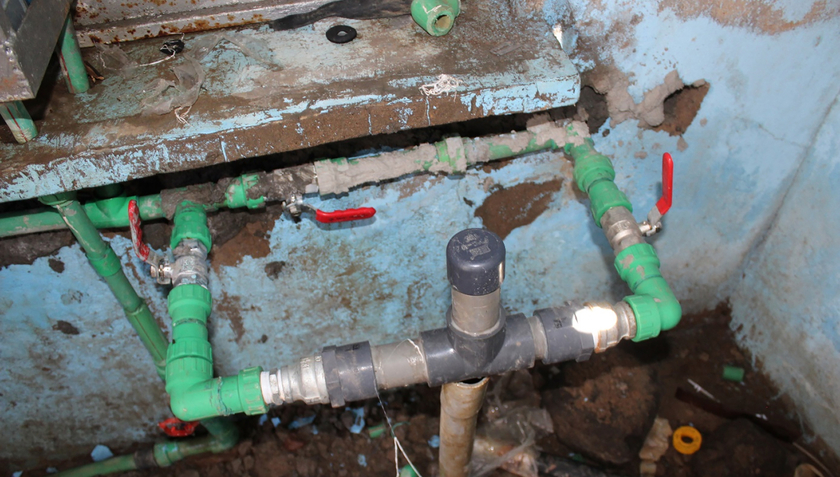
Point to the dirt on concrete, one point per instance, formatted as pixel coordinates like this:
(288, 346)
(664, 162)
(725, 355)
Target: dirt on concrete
(512, 207)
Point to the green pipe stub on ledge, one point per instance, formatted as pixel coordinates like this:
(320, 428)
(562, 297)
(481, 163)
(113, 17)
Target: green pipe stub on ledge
(437, 17)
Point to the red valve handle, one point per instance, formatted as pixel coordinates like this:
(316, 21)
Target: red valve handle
(664, 203)
(344, 215)
(140, 248)
(174, 427)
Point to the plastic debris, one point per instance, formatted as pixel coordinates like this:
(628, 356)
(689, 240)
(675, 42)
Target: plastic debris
(275, 421)
(172, 47)
(444, 84)
(687, 440)
(52, 470)
(190, 76)
(407, 471)
(362, 460)
(701, 390)
(434, 442)
(379, 430)
(314, 430)
(733, 373)
(263, 419)
(114, 60)
(506, 440)
(353, 419)
(100, 453)
(656, 443)
(202, 46)
(17, 474)
(302, 422)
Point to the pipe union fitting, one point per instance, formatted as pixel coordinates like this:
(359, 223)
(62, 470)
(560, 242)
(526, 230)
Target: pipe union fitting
(304, 381)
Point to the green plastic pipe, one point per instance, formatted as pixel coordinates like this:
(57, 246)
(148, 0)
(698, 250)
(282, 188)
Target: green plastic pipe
(105, 213)
(193, 391)
(654, 304)
(436, 17)
(122, 463)
(107, 265)
(70, 58)
(223, 436)
(113, 212)
(18, 119)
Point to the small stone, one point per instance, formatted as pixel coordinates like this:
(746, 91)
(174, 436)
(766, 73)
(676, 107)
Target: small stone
(704, 356)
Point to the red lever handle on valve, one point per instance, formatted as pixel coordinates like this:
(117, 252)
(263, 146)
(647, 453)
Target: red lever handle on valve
(174, 427)
(344, 215)
(140, 248)
(664, 203)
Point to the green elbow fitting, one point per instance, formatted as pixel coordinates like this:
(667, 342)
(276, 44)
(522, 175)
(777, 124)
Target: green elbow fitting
(653, 303)
(194, 393)
(437, 17)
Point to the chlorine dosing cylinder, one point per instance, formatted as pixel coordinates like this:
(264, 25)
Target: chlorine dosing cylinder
(437, 17)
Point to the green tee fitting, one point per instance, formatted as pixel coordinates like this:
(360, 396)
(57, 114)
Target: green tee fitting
(594, 175)
(190, 223)
(437, 17)
(653, 303)
(236, 194)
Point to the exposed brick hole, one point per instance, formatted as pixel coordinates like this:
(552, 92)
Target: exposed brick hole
(681, 108)
(592, 108)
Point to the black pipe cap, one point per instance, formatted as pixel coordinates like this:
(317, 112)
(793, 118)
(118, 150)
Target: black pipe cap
(475, 262)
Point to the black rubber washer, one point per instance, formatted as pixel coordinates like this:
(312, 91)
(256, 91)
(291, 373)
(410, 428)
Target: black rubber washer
(341, 34)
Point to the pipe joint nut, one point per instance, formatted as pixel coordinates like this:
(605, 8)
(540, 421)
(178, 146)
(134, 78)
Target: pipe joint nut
(349, 373)
(304, 381)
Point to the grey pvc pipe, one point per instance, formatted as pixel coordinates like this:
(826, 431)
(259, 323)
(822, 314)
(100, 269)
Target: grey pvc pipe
(459, 406)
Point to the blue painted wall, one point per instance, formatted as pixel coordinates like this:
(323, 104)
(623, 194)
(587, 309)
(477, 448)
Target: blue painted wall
(773, 78)
(787, 307)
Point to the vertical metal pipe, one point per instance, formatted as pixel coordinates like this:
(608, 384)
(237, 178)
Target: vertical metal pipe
(459, 406)
(19, 121)
(70, 58)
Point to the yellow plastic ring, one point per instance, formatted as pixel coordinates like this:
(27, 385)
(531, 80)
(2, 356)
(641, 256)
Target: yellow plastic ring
(687, 440)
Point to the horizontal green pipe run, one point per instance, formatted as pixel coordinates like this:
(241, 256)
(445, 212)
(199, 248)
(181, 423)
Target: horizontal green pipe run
(122, 463)
(113, 212)
(223, 436)
(103, 214)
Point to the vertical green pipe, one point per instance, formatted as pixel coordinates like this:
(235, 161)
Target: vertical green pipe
(122, 463)
(107, 265)
(19, 121)
(70, 58)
